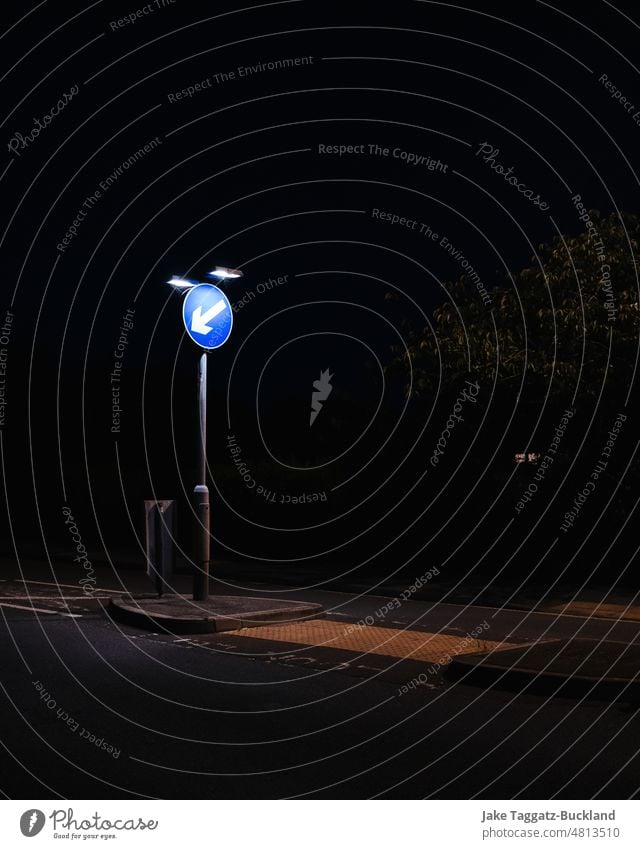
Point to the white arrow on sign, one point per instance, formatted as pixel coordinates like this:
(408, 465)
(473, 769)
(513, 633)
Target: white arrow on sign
(199, 319)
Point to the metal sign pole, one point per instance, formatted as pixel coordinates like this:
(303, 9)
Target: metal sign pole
(201, 493)
(208, 319)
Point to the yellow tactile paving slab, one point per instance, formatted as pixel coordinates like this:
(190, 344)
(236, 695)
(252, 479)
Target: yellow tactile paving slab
(607, 610)
(392, 642)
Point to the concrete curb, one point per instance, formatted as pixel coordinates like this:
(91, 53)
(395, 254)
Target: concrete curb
(182, 615)
(503, 670)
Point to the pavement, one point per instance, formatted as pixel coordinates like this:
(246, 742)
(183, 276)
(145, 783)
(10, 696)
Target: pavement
(361, 702)
(97, 709)
(577, 667)
(180, 614)
(587, 645)
(601, 602)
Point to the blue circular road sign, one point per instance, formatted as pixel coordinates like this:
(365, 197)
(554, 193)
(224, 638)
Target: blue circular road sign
(207, 316)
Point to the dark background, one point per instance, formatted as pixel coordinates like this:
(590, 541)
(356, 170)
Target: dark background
(238, 181)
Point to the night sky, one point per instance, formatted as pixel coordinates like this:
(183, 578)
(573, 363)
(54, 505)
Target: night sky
(350, 159)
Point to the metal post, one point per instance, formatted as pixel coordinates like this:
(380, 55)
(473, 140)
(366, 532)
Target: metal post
(201, 494)
(157, 548)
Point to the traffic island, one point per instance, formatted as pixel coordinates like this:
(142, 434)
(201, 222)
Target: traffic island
(180, 614)
(584, 668)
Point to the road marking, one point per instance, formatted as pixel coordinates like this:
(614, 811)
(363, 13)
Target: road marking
(66, 586)
(52, 598)
(40, 610)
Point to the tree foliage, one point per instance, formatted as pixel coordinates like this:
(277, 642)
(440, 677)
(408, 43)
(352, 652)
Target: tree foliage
(565, 325)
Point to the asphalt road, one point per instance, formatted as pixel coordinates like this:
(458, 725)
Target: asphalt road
(93, 709)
